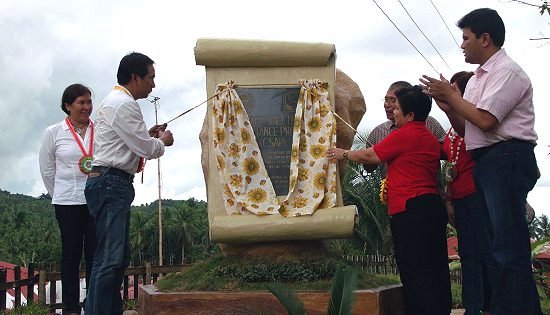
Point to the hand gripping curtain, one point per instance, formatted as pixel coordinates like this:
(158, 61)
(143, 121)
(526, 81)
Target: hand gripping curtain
(312, 182)
(246, 185)
(247, 188)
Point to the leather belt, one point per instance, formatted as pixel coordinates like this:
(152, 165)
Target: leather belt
(103, 170)
(479, 152)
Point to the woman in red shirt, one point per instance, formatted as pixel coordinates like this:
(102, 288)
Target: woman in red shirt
(418, 217)
(468, 214)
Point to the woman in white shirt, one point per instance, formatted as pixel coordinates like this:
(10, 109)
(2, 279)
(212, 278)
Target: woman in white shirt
(65, 161)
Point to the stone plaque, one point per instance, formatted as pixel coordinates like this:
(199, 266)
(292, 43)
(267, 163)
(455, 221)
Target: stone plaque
(271, 112)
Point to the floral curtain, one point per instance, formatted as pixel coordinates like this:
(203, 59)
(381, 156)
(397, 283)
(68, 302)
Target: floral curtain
(312, 182)
(247, 187)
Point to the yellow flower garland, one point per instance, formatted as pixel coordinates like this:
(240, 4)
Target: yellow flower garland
(384, 191)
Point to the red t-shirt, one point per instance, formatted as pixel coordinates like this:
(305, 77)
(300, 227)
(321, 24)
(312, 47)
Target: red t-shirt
(412, 154)
(463, 185)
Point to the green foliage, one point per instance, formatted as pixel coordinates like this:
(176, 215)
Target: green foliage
(220, 273)
(29, 229)
(185, 232)
(289, 299)
(373, 230)
(540, 227)
(286, 272)
(31, 233)
(32, 309)
(342, 297)
(130, 304)
(456, 293)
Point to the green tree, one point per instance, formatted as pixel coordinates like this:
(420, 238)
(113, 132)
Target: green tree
(541, 227)
(138, 225)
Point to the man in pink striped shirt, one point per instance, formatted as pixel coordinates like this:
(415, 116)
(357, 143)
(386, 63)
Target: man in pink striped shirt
(496, 118)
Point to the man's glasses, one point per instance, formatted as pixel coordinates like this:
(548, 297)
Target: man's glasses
(391, 100)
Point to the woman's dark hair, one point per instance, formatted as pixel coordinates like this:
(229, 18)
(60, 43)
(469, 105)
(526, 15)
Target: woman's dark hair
(412, 99)
(483, 21)
(461, 78)
(133, 63)
(71, 93)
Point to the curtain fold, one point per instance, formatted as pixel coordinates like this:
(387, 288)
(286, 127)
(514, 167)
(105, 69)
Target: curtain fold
(246, 185)
(312, 181)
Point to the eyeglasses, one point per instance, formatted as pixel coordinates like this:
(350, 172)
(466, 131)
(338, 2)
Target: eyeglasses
(391, 100)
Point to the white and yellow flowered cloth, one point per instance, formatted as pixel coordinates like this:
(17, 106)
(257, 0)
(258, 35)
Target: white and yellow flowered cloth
(312, 182)
(247, 187)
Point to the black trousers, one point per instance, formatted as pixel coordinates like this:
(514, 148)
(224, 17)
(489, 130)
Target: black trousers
(77, 231)
(420, 245)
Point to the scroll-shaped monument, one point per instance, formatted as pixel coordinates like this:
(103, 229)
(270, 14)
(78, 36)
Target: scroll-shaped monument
(267, 74)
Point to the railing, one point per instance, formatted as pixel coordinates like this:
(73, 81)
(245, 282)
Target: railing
(382, 264)
(379, 264)
(139, 275)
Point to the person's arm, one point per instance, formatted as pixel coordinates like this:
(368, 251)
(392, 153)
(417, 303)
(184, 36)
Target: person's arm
(129, 125)
(46, 161)
(443, 91)
(365, 156)
(371, 141)
(468, 111)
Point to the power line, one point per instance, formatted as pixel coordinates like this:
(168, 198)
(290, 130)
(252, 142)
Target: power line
(418, 27)
(448, 29)
(405, 36)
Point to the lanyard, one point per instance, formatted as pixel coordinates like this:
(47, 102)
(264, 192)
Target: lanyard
(141, 162)
(77, 139)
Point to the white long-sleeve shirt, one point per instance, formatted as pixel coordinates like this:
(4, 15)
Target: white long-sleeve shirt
(121, 136)
(58, 159)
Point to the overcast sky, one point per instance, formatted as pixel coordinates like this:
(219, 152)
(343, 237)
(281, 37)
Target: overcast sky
(50, 44)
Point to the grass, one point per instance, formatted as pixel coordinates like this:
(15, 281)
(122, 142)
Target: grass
(237, 274)
(32, 309)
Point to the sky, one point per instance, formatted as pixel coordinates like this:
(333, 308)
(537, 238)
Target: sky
(50, 44)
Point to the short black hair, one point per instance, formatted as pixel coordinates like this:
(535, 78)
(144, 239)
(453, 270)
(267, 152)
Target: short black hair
(71, 93)
(399, 85)
(412, 99)
(461, 78)
(133, 63)
(483, 21)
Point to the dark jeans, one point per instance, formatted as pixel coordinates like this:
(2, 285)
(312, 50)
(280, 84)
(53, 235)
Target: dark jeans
(77, 231)
(504, 175)
(420, 245)
(479, 267)
(109, 199)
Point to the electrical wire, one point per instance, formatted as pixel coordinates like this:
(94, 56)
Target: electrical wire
(448, 29)
(425, 36)
(426, 59)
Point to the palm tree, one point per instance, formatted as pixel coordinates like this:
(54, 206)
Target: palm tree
(182, 228)
(542, 227)
(363, 191)
(137, 232)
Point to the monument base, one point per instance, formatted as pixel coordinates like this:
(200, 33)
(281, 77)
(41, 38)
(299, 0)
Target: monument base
(387, 300)
(277, 252)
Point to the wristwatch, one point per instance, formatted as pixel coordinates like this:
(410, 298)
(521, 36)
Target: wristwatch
(346, 154)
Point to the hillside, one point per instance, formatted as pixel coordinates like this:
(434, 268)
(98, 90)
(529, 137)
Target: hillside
(30, 232)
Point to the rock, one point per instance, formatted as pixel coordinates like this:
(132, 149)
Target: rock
(350, 105)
